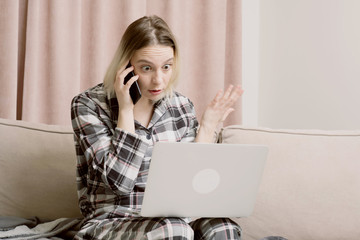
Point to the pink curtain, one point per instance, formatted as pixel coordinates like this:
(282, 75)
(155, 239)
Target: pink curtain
(52, 50)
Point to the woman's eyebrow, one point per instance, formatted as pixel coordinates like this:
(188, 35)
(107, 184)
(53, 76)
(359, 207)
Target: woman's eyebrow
(170, 59)
(149, 62)
(143, 61)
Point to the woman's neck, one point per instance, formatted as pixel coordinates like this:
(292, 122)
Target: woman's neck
(143, 111)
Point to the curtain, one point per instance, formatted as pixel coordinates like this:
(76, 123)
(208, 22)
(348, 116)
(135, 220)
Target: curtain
(51, 50)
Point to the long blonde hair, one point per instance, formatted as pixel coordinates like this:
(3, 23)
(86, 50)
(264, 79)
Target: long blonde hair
(144, 32)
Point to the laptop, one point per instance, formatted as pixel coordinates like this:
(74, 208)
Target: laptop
(203, 180)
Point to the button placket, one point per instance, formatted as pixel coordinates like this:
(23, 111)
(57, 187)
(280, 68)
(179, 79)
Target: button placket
(148, 136)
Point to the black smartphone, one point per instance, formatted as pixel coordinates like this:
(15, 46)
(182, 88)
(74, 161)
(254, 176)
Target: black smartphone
(135, 92)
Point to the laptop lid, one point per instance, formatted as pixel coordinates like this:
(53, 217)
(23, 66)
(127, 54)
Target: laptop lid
(203, 180)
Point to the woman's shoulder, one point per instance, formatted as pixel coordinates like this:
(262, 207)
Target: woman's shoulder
(179, 104)
(96, 93)
(91, 101)
(178, 99)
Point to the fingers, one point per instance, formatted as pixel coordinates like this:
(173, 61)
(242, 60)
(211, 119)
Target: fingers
(221, 106)
(225, 102)
(217, 98)
(238, 90)
(131, 81)
(122, 72)
(235, 95)
(229, 98)
(120, 76)
(228, 92)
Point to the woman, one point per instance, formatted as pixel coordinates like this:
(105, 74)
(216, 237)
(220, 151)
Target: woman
(114, 138)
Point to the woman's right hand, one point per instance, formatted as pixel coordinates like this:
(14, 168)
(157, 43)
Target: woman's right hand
(126, 106)
(123, 90)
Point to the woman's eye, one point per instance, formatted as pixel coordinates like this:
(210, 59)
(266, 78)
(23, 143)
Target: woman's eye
(167, 66)
(146, 68)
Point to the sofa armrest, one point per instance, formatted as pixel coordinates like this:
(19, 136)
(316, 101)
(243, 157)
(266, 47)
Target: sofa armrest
(311, 183)
(37, 170)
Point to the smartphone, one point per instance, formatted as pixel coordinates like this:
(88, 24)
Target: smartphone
(135, 92)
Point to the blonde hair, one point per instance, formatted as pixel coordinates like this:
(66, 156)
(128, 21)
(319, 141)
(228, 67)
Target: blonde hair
(144, 32)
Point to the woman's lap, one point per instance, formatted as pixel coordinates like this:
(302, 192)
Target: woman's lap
(216, 229)
(159, 228)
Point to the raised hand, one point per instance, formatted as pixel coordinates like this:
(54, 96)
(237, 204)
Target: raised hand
(217, 111)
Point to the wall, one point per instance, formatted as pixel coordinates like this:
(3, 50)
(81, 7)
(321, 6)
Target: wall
(308, 64)
(250, 61)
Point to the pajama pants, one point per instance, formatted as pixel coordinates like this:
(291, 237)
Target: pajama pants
(160, 228)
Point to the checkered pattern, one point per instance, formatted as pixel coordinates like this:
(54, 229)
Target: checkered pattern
(216, 229)
(112, 164)
(160, 228)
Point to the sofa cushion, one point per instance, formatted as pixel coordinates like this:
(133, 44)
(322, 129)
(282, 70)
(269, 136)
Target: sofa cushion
(37, 170)
(311, 183)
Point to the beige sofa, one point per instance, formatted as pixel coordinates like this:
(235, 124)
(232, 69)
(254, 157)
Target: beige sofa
(310, 187)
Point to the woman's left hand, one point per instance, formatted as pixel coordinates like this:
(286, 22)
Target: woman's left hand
(219, 109)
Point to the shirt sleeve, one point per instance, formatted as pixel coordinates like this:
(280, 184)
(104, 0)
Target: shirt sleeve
(113, 156)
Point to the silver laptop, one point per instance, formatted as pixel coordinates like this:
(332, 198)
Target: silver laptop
(203, 180)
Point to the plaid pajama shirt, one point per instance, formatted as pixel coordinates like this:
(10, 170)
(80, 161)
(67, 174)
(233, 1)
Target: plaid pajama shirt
(112, 166)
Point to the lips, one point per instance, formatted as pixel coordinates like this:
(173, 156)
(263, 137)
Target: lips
(155, 92)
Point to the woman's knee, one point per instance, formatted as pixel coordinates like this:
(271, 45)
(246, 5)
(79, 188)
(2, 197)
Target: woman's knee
(175, 228)
(216, 228)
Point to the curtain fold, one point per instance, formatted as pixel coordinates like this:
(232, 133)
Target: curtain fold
(9, 49)
(53, 50)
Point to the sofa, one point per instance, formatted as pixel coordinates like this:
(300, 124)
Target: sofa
(310, 188)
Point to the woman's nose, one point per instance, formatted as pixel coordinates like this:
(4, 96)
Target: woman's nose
(157, 77)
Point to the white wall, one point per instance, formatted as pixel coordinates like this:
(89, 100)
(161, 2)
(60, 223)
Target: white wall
(250, 61)
(308, 64)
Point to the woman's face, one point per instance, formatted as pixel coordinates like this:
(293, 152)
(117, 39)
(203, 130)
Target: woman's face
(154, 65)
